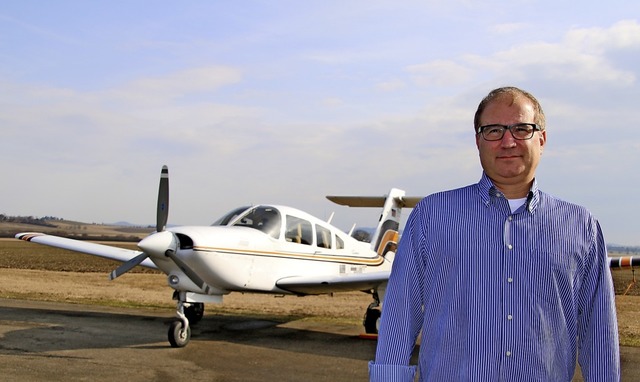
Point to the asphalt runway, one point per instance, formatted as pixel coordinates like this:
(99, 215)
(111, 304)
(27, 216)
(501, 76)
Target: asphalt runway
(61, 342)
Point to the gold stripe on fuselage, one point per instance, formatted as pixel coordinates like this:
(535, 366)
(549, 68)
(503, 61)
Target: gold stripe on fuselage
(372, 261)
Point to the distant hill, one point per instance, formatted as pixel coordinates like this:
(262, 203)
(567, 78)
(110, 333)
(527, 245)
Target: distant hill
(11, 225)
(125, 231)
(623, 249)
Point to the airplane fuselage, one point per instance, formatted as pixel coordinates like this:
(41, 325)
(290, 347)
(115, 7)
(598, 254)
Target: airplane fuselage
(251, 261)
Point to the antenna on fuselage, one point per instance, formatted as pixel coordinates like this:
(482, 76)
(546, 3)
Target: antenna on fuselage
(352, 228)
(330, 217)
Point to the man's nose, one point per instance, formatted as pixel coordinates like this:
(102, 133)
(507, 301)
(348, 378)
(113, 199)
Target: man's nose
(507, 139)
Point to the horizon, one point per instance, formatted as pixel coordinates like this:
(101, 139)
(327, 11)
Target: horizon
(368, 229)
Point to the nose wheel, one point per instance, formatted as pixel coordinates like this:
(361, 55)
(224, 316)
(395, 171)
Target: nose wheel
(179, 330)
(179, 335)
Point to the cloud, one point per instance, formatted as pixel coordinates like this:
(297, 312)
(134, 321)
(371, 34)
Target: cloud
(173, 86)
(585, 56)
(582, 56)
(109, 125)
(300, 115)
(623, 34)
(333, 102)
(391, 85)
(440, 73)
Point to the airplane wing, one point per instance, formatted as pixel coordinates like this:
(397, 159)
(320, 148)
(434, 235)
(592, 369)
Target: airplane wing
(373, 201)
(365, 281)
(624, 262)
(333, 283)
(106, 251)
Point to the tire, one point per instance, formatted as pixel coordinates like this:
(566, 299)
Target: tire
(372, 321)
(178, 337)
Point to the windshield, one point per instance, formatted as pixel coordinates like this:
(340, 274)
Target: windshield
(229, 216)
(262, 218)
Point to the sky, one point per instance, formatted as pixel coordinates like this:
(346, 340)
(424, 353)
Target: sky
(285, 102)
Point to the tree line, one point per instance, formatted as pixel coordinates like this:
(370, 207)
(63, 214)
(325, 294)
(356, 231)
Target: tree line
(44, 221)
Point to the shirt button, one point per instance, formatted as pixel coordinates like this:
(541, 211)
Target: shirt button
(508, 353)
(510, 246)
(509, 280)
(509, 317)
(510, 218)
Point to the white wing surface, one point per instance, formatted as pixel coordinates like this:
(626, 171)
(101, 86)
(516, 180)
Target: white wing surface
(106, 251)
(333, 283)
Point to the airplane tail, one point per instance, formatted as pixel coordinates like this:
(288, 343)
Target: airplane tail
(385, 237)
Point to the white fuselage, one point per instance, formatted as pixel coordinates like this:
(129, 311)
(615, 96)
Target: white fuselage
(241, 257)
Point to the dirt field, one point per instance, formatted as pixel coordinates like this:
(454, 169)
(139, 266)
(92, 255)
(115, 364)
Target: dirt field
(151, 290)
(33, 272)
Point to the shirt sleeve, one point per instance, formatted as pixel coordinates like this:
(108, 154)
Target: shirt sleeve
(391, 373)
(402, 312)
(599, 352)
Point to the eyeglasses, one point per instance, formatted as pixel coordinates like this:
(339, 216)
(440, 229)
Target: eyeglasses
(519, 131)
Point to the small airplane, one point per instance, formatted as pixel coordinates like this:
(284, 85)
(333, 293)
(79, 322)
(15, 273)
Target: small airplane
(262, 249)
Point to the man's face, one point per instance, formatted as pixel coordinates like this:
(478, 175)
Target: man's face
(510, 161)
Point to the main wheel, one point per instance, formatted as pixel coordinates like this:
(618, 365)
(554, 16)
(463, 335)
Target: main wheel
(194, 312)
(372, 321)
(178, 336)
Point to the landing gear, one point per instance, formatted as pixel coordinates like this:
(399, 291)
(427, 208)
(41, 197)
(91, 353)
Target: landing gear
(194, 312)
(180, 330)
(178, 335)
(371, 320)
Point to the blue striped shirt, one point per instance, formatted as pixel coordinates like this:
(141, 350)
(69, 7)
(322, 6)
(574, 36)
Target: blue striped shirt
(499, 296)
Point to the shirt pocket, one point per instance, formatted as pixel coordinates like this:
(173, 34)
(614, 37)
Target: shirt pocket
(551, 277)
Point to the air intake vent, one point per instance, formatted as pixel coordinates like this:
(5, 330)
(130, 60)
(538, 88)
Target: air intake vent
(185, 241)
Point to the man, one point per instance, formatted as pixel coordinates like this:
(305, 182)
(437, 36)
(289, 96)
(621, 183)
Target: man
(506, 282)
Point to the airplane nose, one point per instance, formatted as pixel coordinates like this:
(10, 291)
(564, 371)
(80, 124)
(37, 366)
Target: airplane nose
(158, 243)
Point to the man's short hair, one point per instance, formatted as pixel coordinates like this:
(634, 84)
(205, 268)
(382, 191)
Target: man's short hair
(514, 93)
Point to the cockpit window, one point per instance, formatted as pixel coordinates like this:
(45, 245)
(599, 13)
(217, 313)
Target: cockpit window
(229, 216)
(298, 231)
(265, 219)
(323, 237)
(339, 242)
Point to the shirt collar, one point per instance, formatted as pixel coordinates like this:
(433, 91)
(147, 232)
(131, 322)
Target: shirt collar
(488, 192)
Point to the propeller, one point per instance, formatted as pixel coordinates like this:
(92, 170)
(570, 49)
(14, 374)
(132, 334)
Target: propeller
(161, 222)
(163, 200)
(126, 267)
(193, 276)
(162, 242)
(166, 243)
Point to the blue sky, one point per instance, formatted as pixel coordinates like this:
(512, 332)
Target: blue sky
(286, 102)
